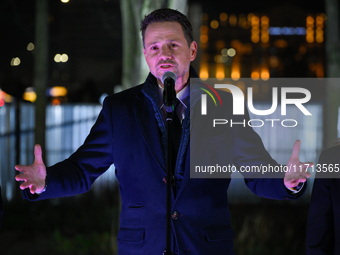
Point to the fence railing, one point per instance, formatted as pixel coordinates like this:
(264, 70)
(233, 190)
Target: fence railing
(68, 125)
(66, 128)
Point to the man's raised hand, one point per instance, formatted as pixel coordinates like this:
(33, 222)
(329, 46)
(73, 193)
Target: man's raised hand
(297, 171)
(34, 176)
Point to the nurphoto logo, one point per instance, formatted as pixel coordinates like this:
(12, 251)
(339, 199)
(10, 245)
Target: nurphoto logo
(239, 104)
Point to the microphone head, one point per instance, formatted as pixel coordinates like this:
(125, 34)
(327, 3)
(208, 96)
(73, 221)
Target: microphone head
(169, 75)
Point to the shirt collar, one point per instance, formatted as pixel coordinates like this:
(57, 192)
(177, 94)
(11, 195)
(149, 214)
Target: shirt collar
(182, 96)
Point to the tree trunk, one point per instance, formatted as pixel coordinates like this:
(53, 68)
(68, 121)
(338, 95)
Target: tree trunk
(41, 70)
(333, 70)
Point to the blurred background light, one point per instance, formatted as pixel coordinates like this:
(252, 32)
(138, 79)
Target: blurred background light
(204, 71)
(64, 58)
(231, 52)
(57, 91)
(30, 46)
(57, 58)
(214, 24)
(61, 58)
(30, 95)
(15, 61)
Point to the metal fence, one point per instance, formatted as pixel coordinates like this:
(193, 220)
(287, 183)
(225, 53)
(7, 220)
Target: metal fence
(279, 141)
(68, 126)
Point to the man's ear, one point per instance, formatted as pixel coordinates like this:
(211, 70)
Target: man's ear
(146, 59)
(193, 50)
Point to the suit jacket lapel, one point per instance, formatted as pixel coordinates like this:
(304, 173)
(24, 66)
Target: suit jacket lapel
(149, 121)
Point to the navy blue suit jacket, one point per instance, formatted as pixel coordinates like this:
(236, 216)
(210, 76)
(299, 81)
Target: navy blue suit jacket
(323, 226)
(1, 207)
(130, 132)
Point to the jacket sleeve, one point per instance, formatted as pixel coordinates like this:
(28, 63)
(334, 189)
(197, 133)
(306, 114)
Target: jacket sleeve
(249, 151)
(320, 223)
(76, 174)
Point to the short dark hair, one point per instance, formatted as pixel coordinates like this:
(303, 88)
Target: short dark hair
(166, 14)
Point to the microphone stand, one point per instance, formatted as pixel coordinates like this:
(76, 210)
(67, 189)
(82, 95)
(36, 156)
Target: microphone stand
(169, 96)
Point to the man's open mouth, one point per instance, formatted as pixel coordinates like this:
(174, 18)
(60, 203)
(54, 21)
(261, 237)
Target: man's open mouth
(165, 65)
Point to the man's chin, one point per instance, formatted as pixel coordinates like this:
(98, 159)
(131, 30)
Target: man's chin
(164, 70)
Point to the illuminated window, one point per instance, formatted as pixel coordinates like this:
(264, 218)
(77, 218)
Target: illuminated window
(204, 73)
(255, 22)
(203, 38)
(235, 75)
(264, 36)
(204, 29)
(310, 21)
(220, 74)
(214, 24)
(264, 22)
(233, 20)
(265, 74)
(255, 38)
(223, 16)
(319, 35)
(310, 35)
(255, 75)
(235, 71)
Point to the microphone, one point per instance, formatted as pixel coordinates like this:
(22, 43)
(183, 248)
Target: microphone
(169, 94)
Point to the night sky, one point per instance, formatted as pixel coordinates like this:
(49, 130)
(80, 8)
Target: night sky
(91, 30)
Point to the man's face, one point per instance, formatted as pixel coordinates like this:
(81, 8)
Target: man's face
(166, 49)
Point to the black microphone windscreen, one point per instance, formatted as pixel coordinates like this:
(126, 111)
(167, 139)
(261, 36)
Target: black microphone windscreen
(169, 75)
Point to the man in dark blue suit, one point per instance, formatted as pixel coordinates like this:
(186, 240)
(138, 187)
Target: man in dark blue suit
(1, 207)
(130, 133)
(323, 225)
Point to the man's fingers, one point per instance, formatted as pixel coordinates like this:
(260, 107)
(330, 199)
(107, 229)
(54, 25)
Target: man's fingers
(294, 182)
(301, 180)
(291, 183)
(38, 154)
(25, 185)
(32, 189)
(22, 168)
(308, 175)
(302, 175)
(21, 177)
(296, 149)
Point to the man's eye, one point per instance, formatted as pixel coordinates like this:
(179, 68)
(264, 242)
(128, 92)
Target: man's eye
(173, 45)
(154, 48)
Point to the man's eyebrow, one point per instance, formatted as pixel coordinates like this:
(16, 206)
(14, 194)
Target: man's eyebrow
(156, 42)
(151, 43)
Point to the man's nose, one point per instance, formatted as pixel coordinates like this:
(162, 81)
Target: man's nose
(165, 52)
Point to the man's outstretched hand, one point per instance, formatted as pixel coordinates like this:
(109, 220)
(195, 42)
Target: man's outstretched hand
(297, 171)
(34, 176)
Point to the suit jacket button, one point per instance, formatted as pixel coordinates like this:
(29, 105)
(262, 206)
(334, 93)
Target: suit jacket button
(174, 215)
